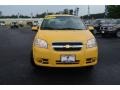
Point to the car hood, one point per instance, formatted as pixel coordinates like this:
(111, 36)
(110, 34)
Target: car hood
(64, 35)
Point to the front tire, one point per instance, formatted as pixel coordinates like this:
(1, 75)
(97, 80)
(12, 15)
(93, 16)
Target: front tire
(118, 34)
(95, 32)
(103, 35)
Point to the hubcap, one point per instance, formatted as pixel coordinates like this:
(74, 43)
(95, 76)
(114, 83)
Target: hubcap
(94, 31)
(118, 34)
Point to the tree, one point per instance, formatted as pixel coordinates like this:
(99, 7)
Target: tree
(113, 11)
(95, 16)
(23, 16)
(14, 16)
(66, 11)
(41, 15)
(71, 11)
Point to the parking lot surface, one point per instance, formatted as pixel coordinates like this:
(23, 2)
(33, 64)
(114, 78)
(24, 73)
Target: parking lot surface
(15, 67)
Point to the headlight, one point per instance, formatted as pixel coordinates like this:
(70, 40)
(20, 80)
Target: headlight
(40, 43)
(91, 43)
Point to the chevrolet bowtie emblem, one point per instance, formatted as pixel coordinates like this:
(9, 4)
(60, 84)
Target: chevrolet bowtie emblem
(67, 46)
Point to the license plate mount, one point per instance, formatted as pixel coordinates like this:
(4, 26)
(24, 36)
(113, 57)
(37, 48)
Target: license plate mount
(67, 58)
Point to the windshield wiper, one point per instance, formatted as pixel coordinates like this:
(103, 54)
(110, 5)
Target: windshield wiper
(49, 28)
(71, 29)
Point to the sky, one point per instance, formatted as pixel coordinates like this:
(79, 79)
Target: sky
(38, 9)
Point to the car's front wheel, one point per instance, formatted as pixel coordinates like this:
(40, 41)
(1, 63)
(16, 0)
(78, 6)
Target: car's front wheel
(103, 35)
(118, 34)
(95, 31)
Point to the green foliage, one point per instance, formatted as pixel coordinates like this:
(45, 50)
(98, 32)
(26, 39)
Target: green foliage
(71, 11)
(113, 11)
(15, 16)
(94, 16)
(66, 11)
(40, 15)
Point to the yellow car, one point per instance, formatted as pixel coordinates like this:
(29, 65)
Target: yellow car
(35, 27)
(91, 28)
(64, 41)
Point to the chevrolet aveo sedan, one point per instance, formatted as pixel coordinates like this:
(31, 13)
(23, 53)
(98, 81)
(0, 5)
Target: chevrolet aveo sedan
(64, 41)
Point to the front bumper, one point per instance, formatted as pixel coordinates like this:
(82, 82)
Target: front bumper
(50, 58)
(107, 32)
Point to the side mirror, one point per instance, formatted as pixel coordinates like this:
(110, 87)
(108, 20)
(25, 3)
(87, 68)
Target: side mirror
(38, 28)
(90, 27)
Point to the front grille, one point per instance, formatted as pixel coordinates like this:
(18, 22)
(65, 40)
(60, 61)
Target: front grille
(67, 46)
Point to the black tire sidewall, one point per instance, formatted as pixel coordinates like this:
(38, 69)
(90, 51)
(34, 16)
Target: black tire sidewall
(117, 34)
(103, 35)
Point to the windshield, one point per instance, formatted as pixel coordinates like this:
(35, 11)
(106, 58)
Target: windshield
(62, 23)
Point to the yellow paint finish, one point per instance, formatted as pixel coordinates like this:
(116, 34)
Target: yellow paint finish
(49, 53)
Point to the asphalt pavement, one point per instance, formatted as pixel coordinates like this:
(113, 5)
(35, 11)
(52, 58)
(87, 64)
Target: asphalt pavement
(15, 67)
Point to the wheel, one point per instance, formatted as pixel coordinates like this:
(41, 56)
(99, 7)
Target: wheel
(118, 34)
(16, 26)
(95, 31)
(11, 26)
(103, 35)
